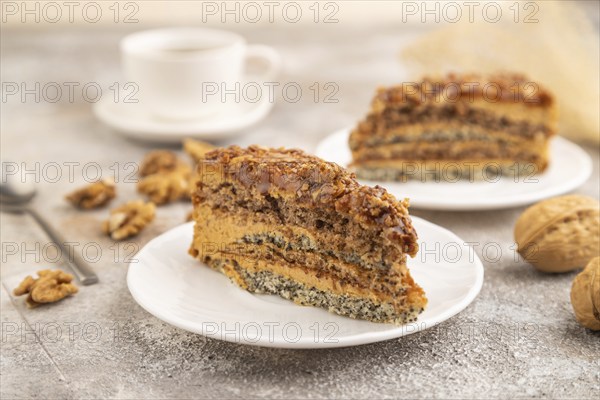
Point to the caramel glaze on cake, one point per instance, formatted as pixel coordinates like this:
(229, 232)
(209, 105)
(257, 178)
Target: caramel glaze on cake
(471, 122)
(283, 222)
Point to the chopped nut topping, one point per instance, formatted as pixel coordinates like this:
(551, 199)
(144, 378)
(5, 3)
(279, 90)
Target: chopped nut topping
(159, 161)
(197, 149)
(129, 219)
(50, 287)
(166, 187)
(94, 195)
(510, 87)
(308, 179)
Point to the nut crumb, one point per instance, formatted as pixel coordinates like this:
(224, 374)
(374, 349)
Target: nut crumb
(94, 195)
(159, 161)
(129, 219)
(166, 187)
(50, 287)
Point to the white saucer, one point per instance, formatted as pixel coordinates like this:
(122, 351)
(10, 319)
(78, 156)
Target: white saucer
(181, 291)
(135, 121)
(569, 167)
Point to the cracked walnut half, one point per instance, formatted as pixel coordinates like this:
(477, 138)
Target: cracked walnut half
(129, 219)
(159, 161)
(50, 287)
(166, 187)
(94, 195)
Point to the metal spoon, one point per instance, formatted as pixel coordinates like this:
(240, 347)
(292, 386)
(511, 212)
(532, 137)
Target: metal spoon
(14, 197)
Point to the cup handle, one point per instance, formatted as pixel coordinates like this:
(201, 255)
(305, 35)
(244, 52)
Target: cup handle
(267, 54)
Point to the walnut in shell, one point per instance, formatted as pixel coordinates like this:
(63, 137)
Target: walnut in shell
(94, 195)
(50, 287)
(129, 219)
(585, 295)
(559, 234)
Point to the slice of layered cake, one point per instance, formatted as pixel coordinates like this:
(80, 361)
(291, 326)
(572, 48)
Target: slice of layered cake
(458, 126)
(283, 222)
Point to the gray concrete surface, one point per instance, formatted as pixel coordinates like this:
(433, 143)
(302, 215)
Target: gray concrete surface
(519, 338)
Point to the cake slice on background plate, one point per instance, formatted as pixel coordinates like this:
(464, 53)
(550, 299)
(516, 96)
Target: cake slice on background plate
(283, 222)
(459, 126)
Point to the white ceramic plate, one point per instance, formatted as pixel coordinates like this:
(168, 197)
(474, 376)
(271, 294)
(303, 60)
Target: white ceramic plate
(134, 121)
(178, 289)
(569, 167)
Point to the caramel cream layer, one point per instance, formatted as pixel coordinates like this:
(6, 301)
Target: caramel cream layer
(412, 298)
(317, 225)
(438, 131)
(225, 232)
(476, 150)
(513, 112)
(416, 166)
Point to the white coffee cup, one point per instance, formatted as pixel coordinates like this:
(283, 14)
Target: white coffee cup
(174, 68)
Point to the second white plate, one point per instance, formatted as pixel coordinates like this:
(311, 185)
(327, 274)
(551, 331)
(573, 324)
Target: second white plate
(180, 290)
(569, 167)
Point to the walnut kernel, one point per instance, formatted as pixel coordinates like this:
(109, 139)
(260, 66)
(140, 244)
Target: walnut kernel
(159, 161)
(129, 219)
(166, 187)
(197, 149)
(94, 195)
(25, 286)
(50, 287)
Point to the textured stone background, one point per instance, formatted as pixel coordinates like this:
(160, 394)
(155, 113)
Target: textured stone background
(519, 338)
